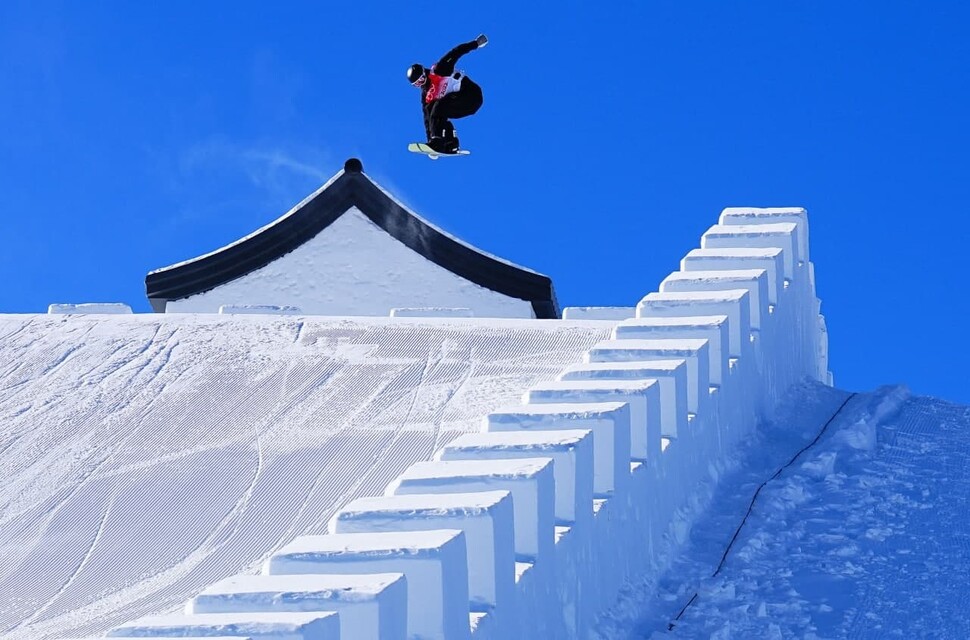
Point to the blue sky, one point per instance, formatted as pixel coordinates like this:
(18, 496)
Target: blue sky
(134, 136)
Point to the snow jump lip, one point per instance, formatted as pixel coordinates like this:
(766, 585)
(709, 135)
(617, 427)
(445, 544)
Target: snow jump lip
(350, 188)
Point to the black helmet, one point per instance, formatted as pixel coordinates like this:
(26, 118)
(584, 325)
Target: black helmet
(416, 72)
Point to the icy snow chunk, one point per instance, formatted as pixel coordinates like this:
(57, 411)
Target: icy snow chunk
(822, 466)
(671, 374)
(371, 607)
(89, 307)
(571, 451)
(782, 235)
(432, 312)
(529, 480)
(609, 422)
(713, 328)
(259, 309)
(486, 519)
(433, 563)
(598, 313)
(317, 625)
(642, 395)
(694, 351)
(754, 280)
(734, 303)
(771, 260)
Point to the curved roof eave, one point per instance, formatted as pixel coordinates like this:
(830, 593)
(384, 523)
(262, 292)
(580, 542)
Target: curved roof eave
(349, 188)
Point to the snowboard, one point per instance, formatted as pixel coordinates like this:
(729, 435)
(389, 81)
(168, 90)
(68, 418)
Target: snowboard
(420, 147)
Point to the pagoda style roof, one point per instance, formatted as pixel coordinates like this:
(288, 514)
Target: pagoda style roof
(350, 188)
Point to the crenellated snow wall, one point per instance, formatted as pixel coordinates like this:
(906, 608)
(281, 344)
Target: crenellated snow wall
(530, 528)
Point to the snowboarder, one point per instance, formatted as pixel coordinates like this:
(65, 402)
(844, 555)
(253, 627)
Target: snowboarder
(446, 94)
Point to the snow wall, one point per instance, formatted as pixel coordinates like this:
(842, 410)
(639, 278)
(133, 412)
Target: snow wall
(530, 528)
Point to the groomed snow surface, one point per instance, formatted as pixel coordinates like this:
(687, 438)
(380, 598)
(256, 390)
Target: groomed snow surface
(145, 457)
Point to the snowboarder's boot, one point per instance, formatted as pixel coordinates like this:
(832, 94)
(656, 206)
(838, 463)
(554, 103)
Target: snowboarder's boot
(443, 145)
(444, 140)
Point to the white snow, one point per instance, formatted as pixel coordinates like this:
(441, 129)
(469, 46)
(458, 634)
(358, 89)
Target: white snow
(317, 625)
(771, 260)
(694, 351)
(485, 517)
(432, 312)
(714, 329)
(90, 307)
(529, 480)
(609, 422)
(863, 535)
(650, 527)
(642, 396)
(371, 607)
(783, 235)
(570, 450)
(598, 313)
(433, 563)
(753, 215)
(734, 303)
(754, 280)
(212, 440)
(264, 309)
(670, 374)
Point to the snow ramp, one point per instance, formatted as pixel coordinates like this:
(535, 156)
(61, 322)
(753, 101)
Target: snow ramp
(147, 456)
(512, 505)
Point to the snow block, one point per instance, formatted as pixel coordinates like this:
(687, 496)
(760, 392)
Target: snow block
(89, 307)
(371, 607)
(712, 328)
(571, 451)
(771, 260)
(180, 638)
(609, 422)
(694, 351)
(642, 395)
(486, 518)
(761, 215)
(783, 235)
(598, 313)
(754, 280)
(316, 625)
(670, 374)
(433, 563)
(259, 309)
(529, 480)
(734, 303)
(432, 312)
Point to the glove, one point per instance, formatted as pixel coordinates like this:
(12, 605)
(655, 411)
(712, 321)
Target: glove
(481, 40)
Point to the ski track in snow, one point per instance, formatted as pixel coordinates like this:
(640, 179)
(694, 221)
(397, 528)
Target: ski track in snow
(150, 456)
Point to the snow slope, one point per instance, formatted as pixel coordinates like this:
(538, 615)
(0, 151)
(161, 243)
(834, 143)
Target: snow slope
(106, 422)
(864, 535)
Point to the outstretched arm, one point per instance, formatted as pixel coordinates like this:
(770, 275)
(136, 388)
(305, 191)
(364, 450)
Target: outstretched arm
(446, 66)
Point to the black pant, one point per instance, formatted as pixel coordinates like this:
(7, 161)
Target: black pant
(459, 104)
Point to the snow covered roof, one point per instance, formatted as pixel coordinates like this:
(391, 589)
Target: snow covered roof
(349, 189)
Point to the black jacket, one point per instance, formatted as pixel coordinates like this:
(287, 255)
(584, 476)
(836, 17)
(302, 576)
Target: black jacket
(446, 66)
